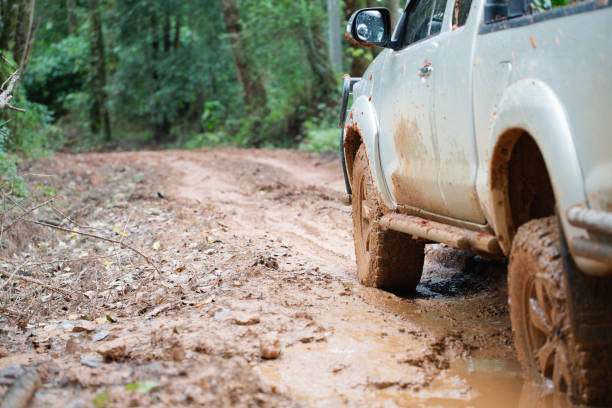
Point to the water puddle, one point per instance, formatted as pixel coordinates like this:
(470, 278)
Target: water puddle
(380, 356)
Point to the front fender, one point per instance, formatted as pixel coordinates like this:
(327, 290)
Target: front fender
(362, 122)
(533, 107)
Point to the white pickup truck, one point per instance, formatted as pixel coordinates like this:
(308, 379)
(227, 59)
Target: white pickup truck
(483, 124)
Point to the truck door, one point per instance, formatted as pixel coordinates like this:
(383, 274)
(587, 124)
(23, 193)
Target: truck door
(454, 118)
(408, 147)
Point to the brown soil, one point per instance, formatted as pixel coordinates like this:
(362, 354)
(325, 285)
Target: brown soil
(256, 302)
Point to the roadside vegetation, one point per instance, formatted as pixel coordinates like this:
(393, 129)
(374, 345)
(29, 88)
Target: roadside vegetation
(106, 75)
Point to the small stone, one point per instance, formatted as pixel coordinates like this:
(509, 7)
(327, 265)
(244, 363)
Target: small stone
(10, 374)
(91, 360)
(270, 347)
(100, 335)
(84, 326)
(3, 352)
(113, 350)
(246, 319)
(177, 352)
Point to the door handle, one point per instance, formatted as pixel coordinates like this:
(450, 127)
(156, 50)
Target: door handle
(425, 70)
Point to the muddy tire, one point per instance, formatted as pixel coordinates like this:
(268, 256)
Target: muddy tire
(385, 259)
(544, 340)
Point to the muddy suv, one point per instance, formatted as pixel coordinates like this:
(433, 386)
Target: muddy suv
(483, 125)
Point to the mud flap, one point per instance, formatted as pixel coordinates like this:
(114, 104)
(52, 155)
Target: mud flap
(349, 191)
(589, 301)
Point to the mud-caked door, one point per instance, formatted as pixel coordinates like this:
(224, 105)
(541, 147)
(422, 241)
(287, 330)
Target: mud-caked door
(454, 117)
(408, 148)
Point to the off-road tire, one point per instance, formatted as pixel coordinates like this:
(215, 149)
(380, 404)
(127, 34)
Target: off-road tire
(544, 340)
(386, 259)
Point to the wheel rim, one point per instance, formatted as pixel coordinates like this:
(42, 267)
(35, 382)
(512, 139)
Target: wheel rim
(547, 333)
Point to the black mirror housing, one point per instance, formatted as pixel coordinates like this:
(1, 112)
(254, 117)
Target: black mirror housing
(370, 27)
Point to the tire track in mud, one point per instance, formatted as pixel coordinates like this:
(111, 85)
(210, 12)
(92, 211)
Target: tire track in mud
(271, 195)
(413, 342)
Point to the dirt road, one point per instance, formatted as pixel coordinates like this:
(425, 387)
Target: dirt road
(255, 302)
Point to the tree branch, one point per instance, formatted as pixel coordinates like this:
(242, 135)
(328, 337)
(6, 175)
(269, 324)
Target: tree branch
(39, 283)
(7, 94)
(85, 234)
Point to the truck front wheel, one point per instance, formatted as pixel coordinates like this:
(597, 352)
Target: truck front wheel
(544, 339)
(386, 259)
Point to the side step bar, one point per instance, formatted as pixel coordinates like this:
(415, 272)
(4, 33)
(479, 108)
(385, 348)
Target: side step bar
(456, 237)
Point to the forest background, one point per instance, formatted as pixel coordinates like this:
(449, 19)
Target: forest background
(100, 75)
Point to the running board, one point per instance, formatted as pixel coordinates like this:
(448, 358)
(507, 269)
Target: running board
(456, 237)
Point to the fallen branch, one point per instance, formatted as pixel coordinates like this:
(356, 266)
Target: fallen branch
(25, 212)
(37, 282)
(7, 94)
(13, 312)
(23, 390)
(86, 234)
(57, 261)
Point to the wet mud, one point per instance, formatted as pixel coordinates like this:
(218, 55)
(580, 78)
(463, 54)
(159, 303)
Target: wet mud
(257, 303)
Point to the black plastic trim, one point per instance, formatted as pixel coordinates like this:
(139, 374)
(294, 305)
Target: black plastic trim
(588, 298)
(486, 28)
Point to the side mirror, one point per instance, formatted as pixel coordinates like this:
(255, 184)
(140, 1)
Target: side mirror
(369, 26)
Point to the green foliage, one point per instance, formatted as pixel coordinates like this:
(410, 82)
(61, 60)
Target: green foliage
(322, 132)
(321, 140)
(29, 134)
(173, 78)
(33, 133)
(142, 387)
(543, 5)
(57, 72)
(102, 399)
(10, 181)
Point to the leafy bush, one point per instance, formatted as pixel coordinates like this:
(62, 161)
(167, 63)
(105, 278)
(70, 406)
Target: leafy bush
(58, 71)
(9, 179)
(321, 140)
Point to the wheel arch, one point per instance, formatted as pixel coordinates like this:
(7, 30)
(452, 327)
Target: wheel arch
(532, 136)
(362, 127)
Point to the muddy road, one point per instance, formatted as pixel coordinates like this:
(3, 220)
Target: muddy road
(255, 302)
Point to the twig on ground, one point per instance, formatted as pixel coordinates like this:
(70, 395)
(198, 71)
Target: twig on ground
(37, 282)
(25, 212)
(58, 261)
(13, 312)
(113, 241)
(12, 275)
(70, 219)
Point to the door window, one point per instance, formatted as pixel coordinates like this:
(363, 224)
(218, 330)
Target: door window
(461, 12)
(424, 20)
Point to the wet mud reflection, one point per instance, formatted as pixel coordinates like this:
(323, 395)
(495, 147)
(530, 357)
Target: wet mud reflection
(448, 345)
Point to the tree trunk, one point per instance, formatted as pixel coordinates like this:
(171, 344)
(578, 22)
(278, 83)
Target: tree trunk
(314, 41)
(70, 23)
(24, 32)
(394, 5)
(167, 32)
(99, 113)
(10, 12)
(177, 32)
(246, 72)
(335, 34)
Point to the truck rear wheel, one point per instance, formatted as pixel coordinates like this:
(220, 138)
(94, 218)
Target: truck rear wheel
(385, 259)
(544, 340)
